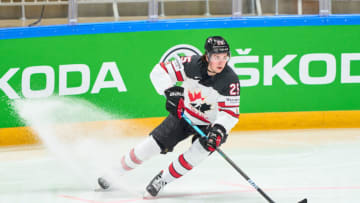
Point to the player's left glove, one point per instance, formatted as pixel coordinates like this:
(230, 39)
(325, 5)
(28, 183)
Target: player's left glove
(215, 137)
(175, 100)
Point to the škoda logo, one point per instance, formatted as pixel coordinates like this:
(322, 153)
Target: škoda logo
(180, 50)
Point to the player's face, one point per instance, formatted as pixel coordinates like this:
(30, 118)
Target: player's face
(217, 63)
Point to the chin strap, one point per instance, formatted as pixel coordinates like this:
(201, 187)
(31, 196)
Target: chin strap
(208, 70)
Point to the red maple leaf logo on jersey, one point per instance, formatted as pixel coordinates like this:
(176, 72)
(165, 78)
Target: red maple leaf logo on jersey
(195, 96)
(197, 102)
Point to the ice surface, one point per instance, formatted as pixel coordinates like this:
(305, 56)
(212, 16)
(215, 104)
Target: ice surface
(321, 165)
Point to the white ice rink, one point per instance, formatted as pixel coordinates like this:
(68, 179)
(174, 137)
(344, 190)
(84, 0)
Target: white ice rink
(320, 165)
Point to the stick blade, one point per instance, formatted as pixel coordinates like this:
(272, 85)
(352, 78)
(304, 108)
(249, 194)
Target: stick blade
(303, 201)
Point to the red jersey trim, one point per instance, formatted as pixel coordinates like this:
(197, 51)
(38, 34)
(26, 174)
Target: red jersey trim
(193, 114)
(178, 74)
(164, 67)
(230, 112)
(222, 104)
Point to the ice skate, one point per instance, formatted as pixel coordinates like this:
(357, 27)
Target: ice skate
(103, 183)
(155, 186)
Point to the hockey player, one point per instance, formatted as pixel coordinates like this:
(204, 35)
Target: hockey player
(209, 96)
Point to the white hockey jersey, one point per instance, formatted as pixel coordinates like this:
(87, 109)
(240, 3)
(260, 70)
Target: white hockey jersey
(208, 99)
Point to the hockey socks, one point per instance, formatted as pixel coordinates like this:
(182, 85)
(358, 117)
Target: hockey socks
(138, 154)
(185, 162)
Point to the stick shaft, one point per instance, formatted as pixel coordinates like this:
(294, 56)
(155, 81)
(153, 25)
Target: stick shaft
(252, 183)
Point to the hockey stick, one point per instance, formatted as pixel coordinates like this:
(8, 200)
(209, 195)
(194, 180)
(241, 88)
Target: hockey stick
(252, 183)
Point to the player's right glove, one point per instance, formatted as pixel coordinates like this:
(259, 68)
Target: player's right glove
(215, 137)
(175, 100)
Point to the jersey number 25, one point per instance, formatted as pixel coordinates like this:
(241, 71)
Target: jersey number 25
(234, 89)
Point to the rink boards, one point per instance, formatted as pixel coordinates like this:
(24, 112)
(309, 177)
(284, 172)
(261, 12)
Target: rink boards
(143, 126)
(295, 71)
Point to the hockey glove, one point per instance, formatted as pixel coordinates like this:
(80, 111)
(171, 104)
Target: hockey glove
(175, 100)
(216, 136)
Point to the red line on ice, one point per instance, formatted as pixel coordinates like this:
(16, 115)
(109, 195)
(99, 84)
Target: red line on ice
(244, 189)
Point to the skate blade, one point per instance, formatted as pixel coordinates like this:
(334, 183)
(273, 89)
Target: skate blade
(102, 190)
(147, 195)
